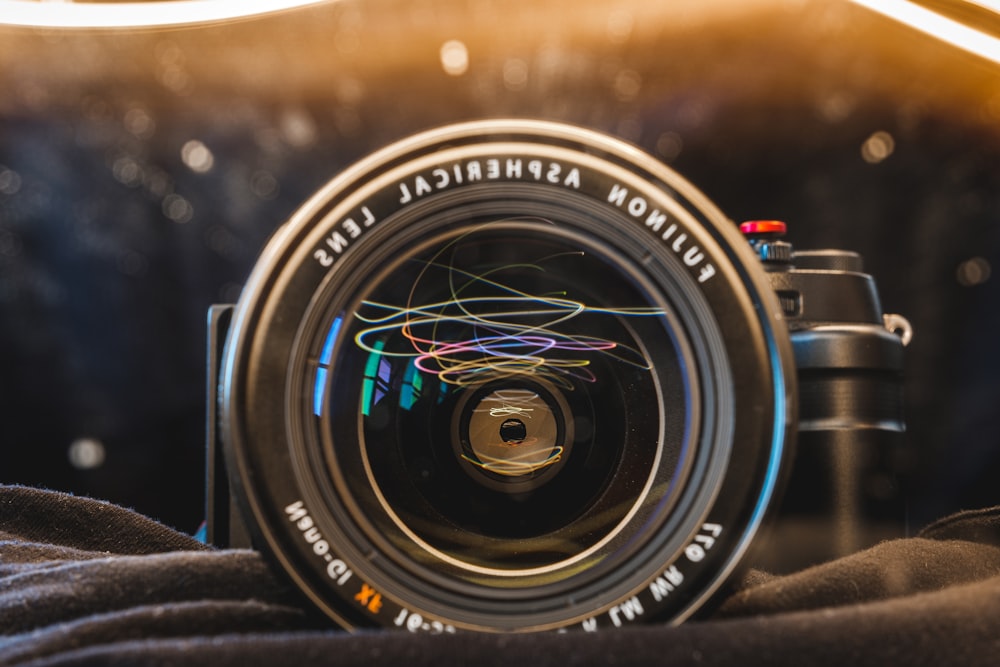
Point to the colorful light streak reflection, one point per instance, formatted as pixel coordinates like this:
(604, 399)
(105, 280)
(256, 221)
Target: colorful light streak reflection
(498, 333)
(517, 464)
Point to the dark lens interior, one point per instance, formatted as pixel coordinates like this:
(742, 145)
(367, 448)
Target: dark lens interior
(513, 435)
(507, 386)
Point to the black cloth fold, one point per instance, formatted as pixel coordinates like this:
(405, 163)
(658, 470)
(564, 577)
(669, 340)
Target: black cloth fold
(85, 582)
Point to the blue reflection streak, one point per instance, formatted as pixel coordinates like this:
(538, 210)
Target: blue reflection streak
(778, 443)
(319, 389)
(318, 393)
(324, 357)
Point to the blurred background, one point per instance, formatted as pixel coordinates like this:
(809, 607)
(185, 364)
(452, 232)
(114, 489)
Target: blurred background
(142, 170)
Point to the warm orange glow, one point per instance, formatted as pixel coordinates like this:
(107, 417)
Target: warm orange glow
(958, 34)
(68, 14)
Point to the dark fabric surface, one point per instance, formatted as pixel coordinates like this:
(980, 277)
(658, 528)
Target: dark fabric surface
(85, 582)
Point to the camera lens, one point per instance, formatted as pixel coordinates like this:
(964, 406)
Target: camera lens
(506, 376)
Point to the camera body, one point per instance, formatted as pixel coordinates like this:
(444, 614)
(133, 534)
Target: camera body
(515, 375)
(844, 492)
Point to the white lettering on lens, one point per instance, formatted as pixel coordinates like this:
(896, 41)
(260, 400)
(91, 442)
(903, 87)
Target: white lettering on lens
(336, 569)
(656, 220)
(337, 242)
(693, 256)
(703, 542)
(324, 258)
(416, 623)
(554, 170)
(572, 179)
(442, 178)
(296, 511)
(352, 228)
(638, 207)
(617, 196)
(494, 169)
(404, 194)
(474, 171)
(666, 583)
(369, 216)
(629, 610)
(421, 186)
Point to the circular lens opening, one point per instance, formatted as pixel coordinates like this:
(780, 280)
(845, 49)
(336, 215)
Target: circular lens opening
(518, 395)
(506, 375)
(513, 436)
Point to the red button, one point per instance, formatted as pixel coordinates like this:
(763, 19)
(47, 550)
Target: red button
(763, 227)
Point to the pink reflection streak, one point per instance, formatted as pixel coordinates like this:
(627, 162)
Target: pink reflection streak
(503, 343)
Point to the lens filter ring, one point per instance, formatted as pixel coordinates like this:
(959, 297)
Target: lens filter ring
(493, 376)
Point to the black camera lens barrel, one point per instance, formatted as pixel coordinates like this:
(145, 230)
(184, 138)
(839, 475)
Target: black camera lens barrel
(382, 367)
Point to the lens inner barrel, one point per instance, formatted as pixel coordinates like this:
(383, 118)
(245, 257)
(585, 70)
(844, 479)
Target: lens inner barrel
(507, 380)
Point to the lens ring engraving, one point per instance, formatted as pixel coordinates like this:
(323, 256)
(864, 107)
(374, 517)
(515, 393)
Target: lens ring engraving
(294, 351)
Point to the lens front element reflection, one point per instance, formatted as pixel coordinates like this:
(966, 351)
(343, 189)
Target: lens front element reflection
(514, 438)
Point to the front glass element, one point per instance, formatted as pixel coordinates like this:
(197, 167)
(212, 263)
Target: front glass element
(506, 397)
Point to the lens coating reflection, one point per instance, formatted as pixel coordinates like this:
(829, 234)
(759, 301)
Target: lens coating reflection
(512, 433)
(504, 380)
